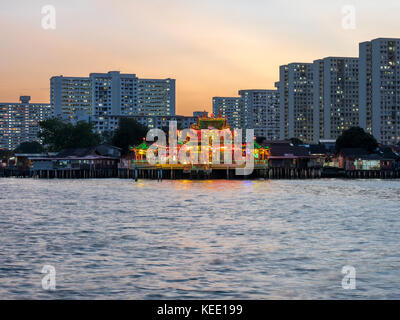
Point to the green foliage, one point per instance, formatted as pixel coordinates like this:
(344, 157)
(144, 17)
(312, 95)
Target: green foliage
(57, 135)
(5, 154)
(129, 133)
(29, 147)
(296, 141)
(260, 140)
(356, 137)
(106, 137)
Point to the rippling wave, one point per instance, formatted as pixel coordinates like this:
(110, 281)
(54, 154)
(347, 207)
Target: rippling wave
(117, 239)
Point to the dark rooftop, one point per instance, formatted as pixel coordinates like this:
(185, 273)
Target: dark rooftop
(101, 150)
(385, 153)
(78, 152)
(354, 152)
(285, 150)
(318, 149)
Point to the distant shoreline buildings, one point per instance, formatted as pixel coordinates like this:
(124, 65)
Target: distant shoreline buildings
(112, 93)
(312, 101)
(19, 121)
(254, 109)
(320, 100)
(102, 95)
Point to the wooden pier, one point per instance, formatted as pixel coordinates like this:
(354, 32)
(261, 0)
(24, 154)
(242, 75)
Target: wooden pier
(60, 173)
(228, 173)
(373, 174)
(179, 172)
(75, 174)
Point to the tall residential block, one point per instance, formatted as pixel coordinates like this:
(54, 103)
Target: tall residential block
(335, 96)
(70, 96)
(283, 88)
(379, 89)
(261, 112)
(156, 97)
(296, 95)
(19, 122)
(229, 107)
(112, 93)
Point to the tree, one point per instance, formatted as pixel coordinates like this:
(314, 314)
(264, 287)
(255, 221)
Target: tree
(106, 137)
(356, 137)
(57, 135)
(129, 133)
(296, 141)
(29, 147)
(5, 154)
(260, 140)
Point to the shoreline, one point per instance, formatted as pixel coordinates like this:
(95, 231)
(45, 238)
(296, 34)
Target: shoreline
(159, 173)
(349, 176)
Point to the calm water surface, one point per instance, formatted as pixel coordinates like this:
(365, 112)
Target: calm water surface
(117, 239)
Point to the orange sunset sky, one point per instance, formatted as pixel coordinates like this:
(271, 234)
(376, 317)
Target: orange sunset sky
(211, 47)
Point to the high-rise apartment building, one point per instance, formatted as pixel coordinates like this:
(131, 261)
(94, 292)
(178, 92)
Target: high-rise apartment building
(283, 88)
(296, 95)
(155, 97)
(379, 89)
(335, 97)
(231, 108)
(70, 96)
(112, 93)
(19, 122)
(254, 109)
(261, 112)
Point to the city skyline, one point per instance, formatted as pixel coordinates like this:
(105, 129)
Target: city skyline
(312, 101)
(212, 49)
(198, 158)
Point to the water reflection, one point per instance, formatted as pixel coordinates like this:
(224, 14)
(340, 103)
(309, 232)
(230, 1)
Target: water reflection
(199, 239)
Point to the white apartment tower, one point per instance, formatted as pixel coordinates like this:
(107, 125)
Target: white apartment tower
(155, 97)
(70, 96)
(261, 112)
(19, 122)
(112, 93)
(335, 96)
(379, 89)
(296, 93)
(230, 108)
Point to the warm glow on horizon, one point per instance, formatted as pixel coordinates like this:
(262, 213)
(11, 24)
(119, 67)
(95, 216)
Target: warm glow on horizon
(211, 47)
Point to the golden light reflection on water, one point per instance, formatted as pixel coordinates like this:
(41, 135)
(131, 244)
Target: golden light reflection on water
(215, 185)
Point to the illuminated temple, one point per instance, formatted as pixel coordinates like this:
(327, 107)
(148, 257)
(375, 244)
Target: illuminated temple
(208, 126)
(273, 159)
